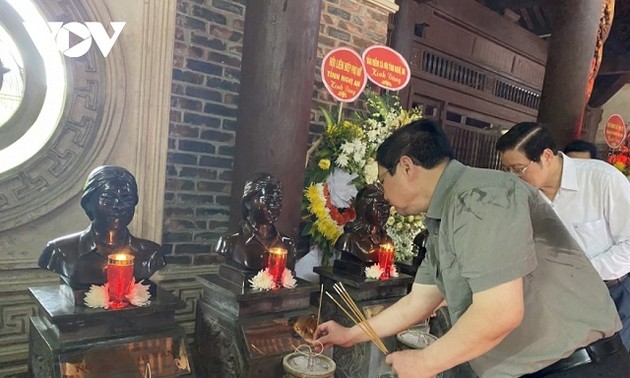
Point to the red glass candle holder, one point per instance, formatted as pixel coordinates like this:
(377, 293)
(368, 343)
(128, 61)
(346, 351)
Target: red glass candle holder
(386, 259)
(276, 263)
(119, 278)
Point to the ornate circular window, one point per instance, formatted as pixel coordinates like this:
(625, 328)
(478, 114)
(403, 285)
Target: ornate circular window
(61, 118)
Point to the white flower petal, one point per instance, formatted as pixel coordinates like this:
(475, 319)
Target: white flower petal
(341, 188)
(139, 295)
(97, 297)
(373, 272)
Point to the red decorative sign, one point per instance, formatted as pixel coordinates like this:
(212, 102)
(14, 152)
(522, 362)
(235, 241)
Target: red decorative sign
(386, 68)
(343, 74)
(615, 131)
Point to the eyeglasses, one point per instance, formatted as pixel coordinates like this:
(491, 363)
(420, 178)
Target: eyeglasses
(518, 172)
(380, 181)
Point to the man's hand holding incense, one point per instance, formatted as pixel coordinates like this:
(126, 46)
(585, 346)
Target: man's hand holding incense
(332, 333)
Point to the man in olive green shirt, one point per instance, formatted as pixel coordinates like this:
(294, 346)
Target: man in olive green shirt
(523, 297)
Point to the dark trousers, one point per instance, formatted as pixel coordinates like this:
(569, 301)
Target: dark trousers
(620, 294)
(616, 365)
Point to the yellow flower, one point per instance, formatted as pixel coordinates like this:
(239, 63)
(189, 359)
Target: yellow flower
(324, 164)
(620, 166)
(324, 223)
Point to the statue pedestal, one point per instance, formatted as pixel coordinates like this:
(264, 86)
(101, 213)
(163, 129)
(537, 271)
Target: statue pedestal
(353, 269)
(371, 296)
(68, 340)
(241, 332)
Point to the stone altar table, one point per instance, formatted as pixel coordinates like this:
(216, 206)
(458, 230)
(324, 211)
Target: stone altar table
(241, 332)
(67, 340)
(371, 296)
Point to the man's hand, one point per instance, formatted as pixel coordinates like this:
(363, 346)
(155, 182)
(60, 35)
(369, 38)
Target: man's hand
(409, 364)
(331, 333)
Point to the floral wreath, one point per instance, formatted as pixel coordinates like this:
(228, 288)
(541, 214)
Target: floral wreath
(621, 160)
(342, 162)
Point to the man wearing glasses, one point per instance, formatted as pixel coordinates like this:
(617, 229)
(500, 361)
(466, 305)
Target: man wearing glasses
(523, 298)
(591, 197)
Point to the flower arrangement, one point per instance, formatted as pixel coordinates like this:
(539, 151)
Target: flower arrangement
(402, 229)
(621, 160)
(375, 271)
(343, 161)
(98, 297)
(264, 280)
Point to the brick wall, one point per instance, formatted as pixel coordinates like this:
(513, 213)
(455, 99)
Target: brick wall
(206, 79)
(349, 23)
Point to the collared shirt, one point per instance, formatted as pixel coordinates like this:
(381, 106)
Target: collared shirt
(246, 248)
(593, 202)
(77, 258)
(487, 228)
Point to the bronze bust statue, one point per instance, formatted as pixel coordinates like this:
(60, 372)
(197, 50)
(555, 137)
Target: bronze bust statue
(109, 199)
(362, 237)
(248, 248)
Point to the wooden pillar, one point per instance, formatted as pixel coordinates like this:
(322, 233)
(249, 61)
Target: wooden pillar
(277, 78)
(402, 37)
(571, 47)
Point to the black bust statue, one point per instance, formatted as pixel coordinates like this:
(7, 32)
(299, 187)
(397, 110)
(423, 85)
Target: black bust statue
(248, 248)
(109, 199)
(363, 236)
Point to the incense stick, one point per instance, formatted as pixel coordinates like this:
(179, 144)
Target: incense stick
(319, 309)
(357, 317)
(357, 322)
(341, 290)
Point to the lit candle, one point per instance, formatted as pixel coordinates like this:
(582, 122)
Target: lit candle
(119, 278)
(276, 263)
(386, 259)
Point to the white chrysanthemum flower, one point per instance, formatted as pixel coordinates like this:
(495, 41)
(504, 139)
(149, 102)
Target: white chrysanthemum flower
(288, 281)
(262, 281)
(373, 272)
(139, 295)
(370, 172)
(341, 188)
(97, 297)
(359, 153)
(393, 272)
(373, 135)
(390, 220)
(342, 160)
(347, 148)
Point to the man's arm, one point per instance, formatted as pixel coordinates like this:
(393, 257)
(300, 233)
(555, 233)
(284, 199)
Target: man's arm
(418, 305)
(493, 315)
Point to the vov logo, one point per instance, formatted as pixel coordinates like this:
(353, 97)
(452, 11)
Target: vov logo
(59, 34)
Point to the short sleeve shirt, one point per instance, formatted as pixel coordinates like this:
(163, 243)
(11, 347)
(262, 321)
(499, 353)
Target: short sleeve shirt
(489, 227)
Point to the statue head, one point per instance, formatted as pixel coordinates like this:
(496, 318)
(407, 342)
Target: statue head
(371, 207)
(110, 196)
(262, 199)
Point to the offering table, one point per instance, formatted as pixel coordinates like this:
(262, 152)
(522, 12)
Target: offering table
(371, 296)
(242, 332)
(68, 340)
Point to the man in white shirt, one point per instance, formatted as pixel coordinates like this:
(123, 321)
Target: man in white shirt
(591, 197)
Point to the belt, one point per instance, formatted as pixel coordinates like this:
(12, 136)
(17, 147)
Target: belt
(616, 281)
(594, 352)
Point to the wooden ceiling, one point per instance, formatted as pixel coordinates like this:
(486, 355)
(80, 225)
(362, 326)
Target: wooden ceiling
(614, 73)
